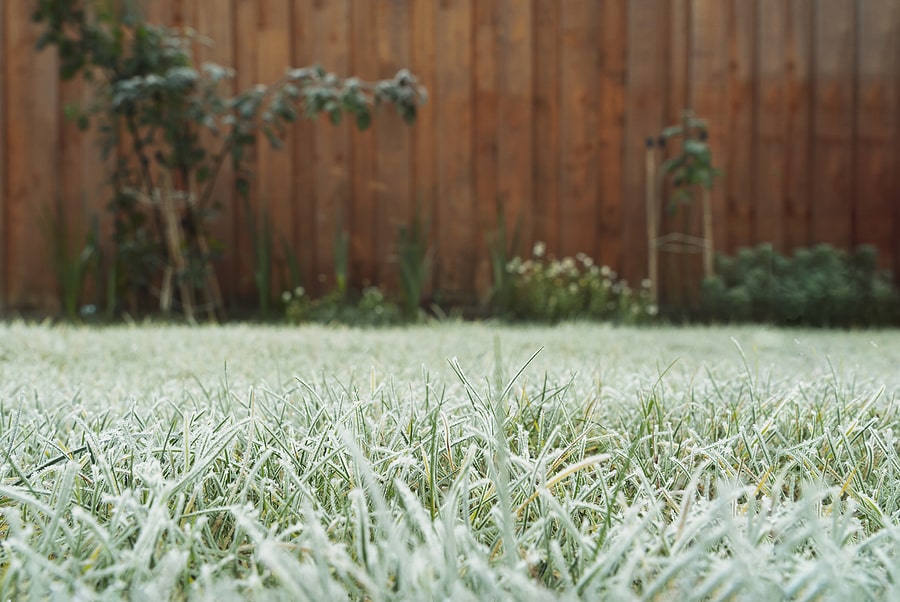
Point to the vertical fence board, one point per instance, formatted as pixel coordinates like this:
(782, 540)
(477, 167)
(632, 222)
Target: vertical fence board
(611, 131)
(486, 76)
(245, 63)
(515, 118)
(874, 128)
(741, 187)
(454, 103)
(709, 77)
(673, 271)
(542, 104)
(545, 221)
(709, 98)
(769, 145)
(329, 42)
(73, 208)
(644, 117)
(214, 20)
(896, 115)
(832, 153)
(798, 127)
(33, 118)
(4, 195)
(273, 167)
(394, 202)
(424, 139)
(579, 58)
(363, 212)
(304, 159)
(158, 12)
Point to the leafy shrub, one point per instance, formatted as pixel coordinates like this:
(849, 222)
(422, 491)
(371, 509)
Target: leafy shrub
(169, 120)
(550, 290)
(819, 286)
(372, 308)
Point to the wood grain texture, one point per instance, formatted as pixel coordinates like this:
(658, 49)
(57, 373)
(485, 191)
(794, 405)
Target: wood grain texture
(833, 123)
(874, 128)
(798, 127)
(246, 64)
(488, 70)
(611, 132)
(453, 97)
(214, 21)
(771, 120)
(394, 200)
(274, 184)
(363, 210)
(578, 124)
(740, 186)
(542, 104)
(424, 133)
(32, 189)
(4, 145)
(546, 57)
(645, 114)
(515, 185)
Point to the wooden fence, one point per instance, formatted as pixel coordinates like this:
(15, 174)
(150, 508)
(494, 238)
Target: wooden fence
(542, 104)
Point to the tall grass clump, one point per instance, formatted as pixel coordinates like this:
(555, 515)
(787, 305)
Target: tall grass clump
(463, 484)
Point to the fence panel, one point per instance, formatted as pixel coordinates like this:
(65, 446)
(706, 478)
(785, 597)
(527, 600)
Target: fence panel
(543, 105)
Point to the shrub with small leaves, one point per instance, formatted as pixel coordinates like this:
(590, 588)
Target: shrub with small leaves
(819, 286)
(546, 289)
(162, 113)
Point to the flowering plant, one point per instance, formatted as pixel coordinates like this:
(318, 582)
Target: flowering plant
(550, 290)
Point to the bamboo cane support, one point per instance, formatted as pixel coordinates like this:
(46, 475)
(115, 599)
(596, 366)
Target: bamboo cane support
(652, 226)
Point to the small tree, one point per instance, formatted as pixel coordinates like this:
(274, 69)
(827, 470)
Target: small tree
(152, 107)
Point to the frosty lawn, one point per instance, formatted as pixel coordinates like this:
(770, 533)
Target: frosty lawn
(419, 463)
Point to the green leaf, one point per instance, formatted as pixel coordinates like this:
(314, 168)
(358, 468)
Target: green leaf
(335, 116)
(363, 120)
(243, 187)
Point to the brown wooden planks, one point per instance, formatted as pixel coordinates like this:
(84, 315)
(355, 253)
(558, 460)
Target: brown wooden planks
(453, 106)
(424, 139)
(331, 22)
(874, 128)
(214, 20)
(274, 181)
(739, 154)
(709, 87)
(895, 194)
(545, 220)
(363, 212)
(83, 192)
(798, 124)
(806, 107)
(487, 72)
(304, 154)
(515, 185)
(246, 52)
(833, 124)
(644, 118)
(4, 234)
(771, 120)
(578, 124)
(32, 122)
(611, 131)
(674, 267)
(393, 144)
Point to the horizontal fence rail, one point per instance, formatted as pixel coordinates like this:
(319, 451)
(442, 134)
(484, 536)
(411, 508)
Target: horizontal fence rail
(542, 105)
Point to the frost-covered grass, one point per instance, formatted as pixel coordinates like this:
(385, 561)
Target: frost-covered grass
(439, 463)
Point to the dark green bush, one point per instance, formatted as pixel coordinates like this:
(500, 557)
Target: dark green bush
(819, 286)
